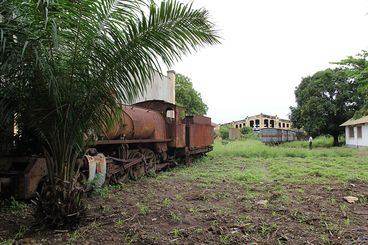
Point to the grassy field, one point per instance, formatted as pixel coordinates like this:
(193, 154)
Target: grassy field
(252, 161)
(243, 192)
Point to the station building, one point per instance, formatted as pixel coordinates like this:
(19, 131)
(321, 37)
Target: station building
(261, 121)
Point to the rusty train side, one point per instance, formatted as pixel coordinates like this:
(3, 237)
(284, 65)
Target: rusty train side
(151, 136)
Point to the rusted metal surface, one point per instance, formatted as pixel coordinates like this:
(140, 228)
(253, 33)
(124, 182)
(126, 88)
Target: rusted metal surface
(21, 176)
(115, 142)
(198, 120)
(138, 123)
(175, 128)
(199, 135)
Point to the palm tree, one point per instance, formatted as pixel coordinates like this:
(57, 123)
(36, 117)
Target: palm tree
(67, 65)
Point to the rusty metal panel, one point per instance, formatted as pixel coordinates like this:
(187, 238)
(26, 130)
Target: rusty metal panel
(198, 120)
(138, 123)
(180, 136)
(37, 170)
(20, 176)
(200, 136)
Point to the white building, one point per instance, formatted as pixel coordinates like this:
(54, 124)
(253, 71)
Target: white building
(356, 132)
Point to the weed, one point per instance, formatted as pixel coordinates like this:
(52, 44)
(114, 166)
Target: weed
(325, 239)
(363, 199)
(298, 216)
(331, 227)
(142, 209)
(17, 205)
(178, 197)
(347, 221)
(167, 202)
(103, 192)
(225, 239)
(176, 233)
(129, 239)
(344, 208)
(174, 217)
(7, 242)
(281, 242)
(12, 205)
(73, 237)
(266, 229)
(151, 174)
(120, 222)
(198, 231)
(333, 200)
(242, 219)
(21, 232)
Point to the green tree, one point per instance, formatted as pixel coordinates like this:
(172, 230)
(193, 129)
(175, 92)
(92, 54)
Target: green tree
(66, 67)
(188, 97)
(324, 101)
(357, 69)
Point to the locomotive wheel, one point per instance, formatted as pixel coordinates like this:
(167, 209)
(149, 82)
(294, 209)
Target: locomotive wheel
(120, 177)
(150, 161)
(138, 169)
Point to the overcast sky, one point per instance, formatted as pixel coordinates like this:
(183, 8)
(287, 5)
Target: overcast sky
(268, 46)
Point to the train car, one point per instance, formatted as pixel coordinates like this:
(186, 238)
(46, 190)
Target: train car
(277, 135)
(151, 135)
(271, 135)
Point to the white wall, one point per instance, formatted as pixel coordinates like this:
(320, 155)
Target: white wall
(161, 88)
(357, 142)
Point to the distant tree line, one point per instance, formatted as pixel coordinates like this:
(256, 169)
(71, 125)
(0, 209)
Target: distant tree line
(330, 97)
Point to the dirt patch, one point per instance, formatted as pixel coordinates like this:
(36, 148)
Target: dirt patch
(173, 211)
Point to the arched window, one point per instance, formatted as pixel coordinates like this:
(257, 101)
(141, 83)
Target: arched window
(265, 123)
(257, 123)
(272, 123)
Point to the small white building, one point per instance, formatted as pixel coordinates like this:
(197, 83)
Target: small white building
(356, 132)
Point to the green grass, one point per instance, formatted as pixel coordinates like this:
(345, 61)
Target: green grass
(250, 161)
(254, 148)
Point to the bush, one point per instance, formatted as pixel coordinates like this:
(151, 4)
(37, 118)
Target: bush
(246, 130)
(224, 132)
(248, 133)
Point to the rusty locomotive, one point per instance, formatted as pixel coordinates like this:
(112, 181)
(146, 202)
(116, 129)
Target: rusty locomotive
(151, 136)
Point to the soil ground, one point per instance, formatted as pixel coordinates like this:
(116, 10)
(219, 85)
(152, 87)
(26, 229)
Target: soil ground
(205, 204)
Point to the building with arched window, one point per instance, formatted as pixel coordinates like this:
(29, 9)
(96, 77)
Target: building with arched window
(262, 121)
